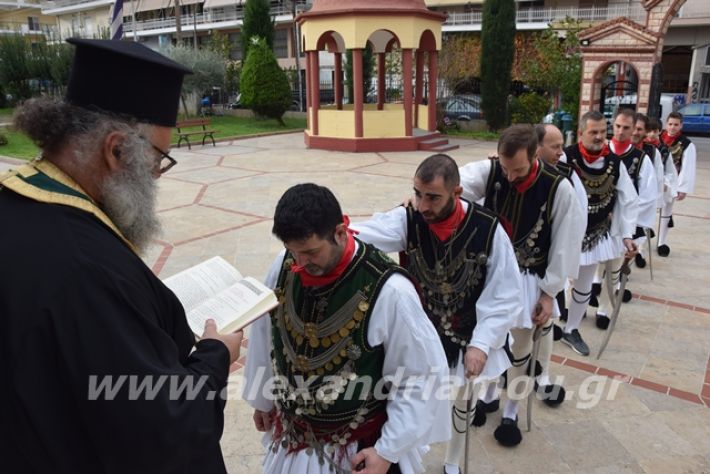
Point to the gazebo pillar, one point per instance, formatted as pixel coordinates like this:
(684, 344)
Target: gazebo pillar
(315, 90)
(358, 95)
(431, 106)
(308, 90)
(338, 85)
(418, 85)
(407, 90)
(380, 80)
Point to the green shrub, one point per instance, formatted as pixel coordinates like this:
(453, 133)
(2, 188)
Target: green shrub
(3, 139)
(528, 108)
(264, 85)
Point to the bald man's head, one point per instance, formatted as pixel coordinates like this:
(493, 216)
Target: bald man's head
(550, 142)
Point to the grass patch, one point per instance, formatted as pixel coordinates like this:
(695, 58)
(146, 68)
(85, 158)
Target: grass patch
(483, 136)
(229, 126)
(19, 146)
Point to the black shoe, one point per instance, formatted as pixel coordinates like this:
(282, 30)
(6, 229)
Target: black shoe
(664, 250)
(627, 295)
(508, 434)
(553, 395)
(479, 417)
(575, 341)
(671, 223)
(603, 321)
(640, 261)
(556, 332)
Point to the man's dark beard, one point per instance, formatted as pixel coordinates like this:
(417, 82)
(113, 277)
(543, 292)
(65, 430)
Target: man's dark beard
(446, 212)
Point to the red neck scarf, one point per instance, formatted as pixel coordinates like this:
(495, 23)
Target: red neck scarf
(590, 157)
(445, 228)
(667, 139)
(525, 184)
(655, 142)
(639, 145)
(312, 280)
(620, 147)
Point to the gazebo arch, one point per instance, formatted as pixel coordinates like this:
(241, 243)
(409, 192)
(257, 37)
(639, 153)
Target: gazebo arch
(640, 44)
(408, 125)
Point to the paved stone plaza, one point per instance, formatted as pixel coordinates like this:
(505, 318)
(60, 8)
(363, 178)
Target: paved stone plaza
(653, 380)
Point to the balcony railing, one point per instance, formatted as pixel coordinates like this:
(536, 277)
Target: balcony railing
(208, 17)
(56, 4)
(25, 29)
(551, 15)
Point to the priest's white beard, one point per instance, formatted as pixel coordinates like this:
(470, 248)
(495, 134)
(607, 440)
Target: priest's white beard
(129, 196)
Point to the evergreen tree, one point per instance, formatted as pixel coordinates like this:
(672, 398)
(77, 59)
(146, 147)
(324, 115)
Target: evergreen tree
(497, 38)
(257, 22)
(264, 85)
(368, 67)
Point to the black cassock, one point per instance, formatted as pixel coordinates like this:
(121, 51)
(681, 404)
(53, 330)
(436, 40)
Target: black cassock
(77, 303)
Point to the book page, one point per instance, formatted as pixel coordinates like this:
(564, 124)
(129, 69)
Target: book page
(197, 284)
(234, 307)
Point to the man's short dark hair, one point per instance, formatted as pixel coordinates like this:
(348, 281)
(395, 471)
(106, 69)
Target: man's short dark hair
(626, 112)
(653, 124)
(593, 115)
(516, 138)
(639, 117)
(675, 115)
(305, 210)
(439, 165)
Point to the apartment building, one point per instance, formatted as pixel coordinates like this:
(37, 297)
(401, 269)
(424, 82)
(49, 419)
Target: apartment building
(26, 18)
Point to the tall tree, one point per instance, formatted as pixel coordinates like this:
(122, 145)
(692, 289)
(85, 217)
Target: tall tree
(257, 22)
(264, 84)
(497, 49)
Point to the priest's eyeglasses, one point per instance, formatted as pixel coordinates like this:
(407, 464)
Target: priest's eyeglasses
(166, 161)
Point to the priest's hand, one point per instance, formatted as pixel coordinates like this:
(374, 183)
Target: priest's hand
(474, 361)
(368, 461)
(262, 420)
(681, 196)
(233, 341)
(543, 310)
(631, 248)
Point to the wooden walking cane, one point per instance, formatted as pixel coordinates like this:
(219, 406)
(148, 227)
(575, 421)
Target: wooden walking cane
(469, 404)
(533, 366)
(624, 272)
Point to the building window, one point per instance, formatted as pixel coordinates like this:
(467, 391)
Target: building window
(33, 23)
(235, 41)
(707, 57)
(281, 43)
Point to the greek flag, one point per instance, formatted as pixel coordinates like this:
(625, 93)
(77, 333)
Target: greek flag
(117, 20)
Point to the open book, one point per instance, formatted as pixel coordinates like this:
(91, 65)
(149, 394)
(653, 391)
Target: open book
(214, 289)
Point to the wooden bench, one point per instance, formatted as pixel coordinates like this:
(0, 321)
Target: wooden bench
(191, 123)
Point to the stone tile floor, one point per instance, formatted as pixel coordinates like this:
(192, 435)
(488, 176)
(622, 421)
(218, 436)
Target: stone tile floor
(645, 410)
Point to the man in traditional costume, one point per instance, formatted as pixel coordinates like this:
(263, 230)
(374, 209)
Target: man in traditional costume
(682, 152)
(539, 210)
(359, 367)
(79, 310)
(464, 266)
(611, 217)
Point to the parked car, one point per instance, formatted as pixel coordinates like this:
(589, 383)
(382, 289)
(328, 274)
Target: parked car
(461, 107)
(696, 118)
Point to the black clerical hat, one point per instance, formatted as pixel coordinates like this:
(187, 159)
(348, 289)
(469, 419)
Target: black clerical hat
(127, 78)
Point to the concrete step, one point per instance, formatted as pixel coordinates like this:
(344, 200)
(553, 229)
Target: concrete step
(443, 148)
(432, 143)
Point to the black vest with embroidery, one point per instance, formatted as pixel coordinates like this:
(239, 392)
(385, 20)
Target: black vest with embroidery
(633, 159)
(451, 274)
(319, 335)
(665, 153)
(527, 216)
(650, 150)
(601, 193)
(677, 150)
(565, 170)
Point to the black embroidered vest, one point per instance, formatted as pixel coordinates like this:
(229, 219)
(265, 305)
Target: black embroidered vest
(633, 159)
(565, 170)
(601, 193)
(451, 274)
(677, 149)
(526, 216)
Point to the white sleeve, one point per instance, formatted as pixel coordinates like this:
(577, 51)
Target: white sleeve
(623, 222)
(648, 194)
(414, 365)
(258, 371)
(581, 193)
(474, 178)
(660, 175)
(501, 299)
(567, 234)
(670, 180)
(385, 230)
(686, 177)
